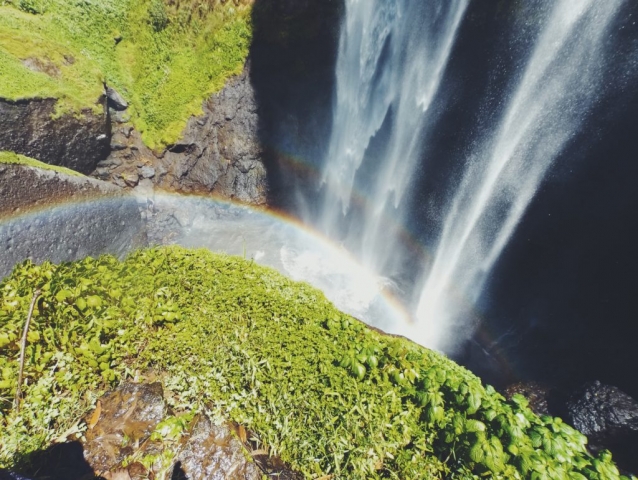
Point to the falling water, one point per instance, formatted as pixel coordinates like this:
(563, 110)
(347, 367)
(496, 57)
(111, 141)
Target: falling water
(391, 60)
(557, 89)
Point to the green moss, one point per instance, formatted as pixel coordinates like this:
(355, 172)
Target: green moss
(164, 60)
(15, 159)
(240, 341)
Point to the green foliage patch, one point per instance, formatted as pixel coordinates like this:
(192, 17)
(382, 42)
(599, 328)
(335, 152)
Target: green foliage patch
(11, 158)
(233, 339)
(164, 59)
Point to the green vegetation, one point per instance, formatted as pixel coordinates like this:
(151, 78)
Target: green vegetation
(15, 159)
(165, 57)
(240, 341)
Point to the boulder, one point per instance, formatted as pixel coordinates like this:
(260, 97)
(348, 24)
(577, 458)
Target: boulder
(601, 411)
(609, 418)
(114, 99)
(537, 394)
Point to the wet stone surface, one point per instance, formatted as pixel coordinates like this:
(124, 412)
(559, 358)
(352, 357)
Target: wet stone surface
(127, 417)
(219, 152)
(57, 217)
(212, 452)
(123, 441)
(609, 418)
(537, 394)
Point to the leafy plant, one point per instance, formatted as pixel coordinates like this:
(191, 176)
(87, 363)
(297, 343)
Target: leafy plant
(35, 7)
(243, 343)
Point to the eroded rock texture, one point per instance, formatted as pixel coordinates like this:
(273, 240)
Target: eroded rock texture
(219, 152)
(609, 418)
(29, 127)
(125, 440)
(126, 417)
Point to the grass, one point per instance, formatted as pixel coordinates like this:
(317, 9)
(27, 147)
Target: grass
(10, 158)
(164, 58)
(238, 341)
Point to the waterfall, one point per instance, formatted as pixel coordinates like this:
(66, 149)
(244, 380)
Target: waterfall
(391, 59)
(557, 89)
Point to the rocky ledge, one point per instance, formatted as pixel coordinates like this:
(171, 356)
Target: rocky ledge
(219, 152)
(32, 128)
(96, 217)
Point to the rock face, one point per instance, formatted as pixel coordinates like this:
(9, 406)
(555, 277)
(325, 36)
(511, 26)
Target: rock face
(601, 411)
(28, 127)
(536, 393)
(219, 152)
(48, 215)
(213, 453)
(609, 418)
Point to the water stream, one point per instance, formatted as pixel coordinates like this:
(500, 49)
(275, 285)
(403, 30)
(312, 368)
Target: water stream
(392, 58)
(558, 87)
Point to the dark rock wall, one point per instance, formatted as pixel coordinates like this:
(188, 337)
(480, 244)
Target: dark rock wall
(281, 104)
(293, 58)
(28, 127)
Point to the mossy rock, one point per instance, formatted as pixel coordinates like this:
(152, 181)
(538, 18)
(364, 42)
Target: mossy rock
(11, 158)
(164, 57)
(241, 342)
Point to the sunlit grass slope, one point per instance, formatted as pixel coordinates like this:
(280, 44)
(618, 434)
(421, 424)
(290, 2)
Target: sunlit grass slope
(164, 56)
(240, 341)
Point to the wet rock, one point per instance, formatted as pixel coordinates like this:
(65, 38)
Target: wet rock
(97, 217)
(599, 410)
(119, 141)
(78, 142)
(213, 453)
(609, 418)
(115, 100)
(537, 394)
(128, 416)
(219, 152)
(131, 179)
(119, 116)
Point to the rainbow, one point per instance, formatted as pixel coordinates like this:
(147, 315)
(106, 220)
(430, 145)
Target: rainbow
(408, 325)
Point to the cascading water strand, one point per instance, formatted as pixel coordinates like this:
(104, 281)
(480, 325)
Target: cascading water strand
(392, 57)
(559, 85)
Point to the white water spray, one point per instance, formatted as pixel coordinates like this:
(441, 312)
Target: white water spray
(392, 56)
(557, 89)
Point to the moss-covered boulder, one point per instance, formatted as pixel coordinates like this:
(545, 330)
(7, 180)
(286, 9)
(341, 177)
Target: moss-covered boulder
(237, 341)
